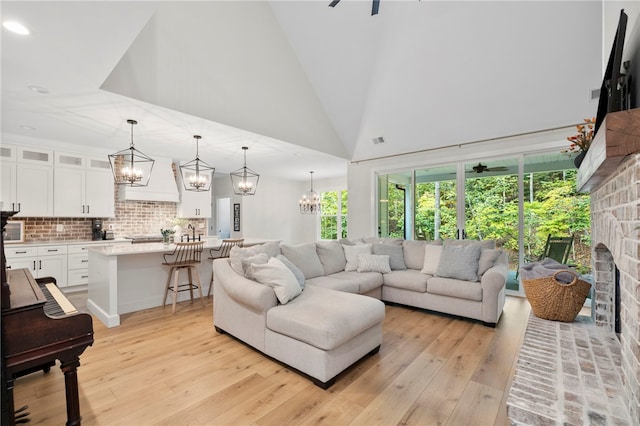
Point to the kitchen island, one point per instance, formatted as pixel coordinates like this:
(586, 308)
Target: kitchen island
(129, 278)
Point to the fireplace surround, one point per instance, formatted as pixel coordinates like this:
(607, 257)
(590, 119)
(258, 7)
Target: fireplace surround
(615, 221)
(586, 372)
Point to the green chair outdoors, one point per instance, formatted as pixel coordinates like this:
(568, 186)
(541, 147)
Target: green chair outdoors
(556, 248)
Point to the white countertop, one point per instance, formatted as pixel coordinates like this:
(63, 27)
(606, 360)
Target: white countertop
(147, 248)
(67, 242)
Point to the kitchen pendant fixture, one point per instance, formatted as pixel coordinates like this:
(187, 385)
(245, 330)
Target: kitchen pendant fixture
(244, 180)
(310, 201)
(197, 174)
(130, 166)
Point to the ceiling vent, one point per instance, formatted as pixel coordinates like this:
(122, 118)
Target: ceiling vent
(378, 140)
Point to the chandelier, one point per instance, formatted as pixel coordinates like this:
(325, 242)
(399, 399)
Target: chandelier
(310, 201)
(130, 166)
(244, 180)
(197, 174)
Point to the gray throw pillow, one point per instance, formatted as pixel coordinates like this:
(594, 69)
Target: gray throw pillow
(395, 253)
(488, 258)
(459, 262)
(305, 257)
(293, 268)
(331, 256)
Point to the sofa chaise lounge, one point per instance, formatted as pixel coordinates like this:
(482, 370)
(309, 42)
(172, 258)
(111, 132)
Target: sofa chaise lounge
(327, 323)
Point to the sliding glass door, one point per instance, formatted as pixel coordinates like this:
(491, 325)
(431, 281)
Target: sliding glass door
(517, 201)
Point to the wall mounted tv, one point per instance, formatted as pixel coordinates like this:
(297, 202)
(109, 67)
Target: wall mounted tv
(614, 94)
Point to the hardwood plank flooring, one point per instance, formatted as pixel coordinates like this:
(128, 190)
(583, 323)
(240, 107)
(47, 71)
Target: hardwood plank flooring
(164, 369)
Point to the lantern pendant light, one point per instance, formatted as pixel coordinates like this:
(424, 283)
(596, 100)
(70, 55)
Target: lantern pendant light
(197, 175)
(130, 166)
(244, 180)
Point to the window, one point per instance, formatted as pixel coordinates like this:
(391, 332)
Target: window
(333, 216)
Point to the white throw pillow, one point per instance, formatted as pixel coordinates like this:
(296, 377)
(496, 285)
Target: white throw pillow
(351, 254)
(238, 254)
(275, 274)
(431, 259)
(373, 263)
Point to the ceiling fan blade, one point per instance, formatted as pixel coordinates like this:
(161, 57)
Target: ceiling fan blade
(497, 169)
(374, 7)
(334, 3)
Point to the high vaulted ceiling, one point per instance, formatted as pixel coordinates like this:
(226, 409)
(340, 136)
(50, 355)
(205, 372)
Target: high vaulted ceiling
(304, 85)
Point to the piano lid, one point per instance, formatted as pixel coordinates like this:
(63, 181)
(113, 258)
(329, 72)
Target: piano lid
(26, 290)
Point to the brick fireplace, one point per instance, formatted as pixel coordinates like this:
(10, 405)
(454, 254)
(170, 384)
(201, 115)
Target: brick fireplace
(588, 371)
(615, 213)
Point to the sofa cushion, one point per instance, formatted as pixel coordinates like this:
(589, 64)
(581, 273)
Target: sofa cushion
(257, 259)
(395, 253)
(305, 257)
(238, 254)
(373, 263)
(331, 256)
(413, 252)
(379, 240)
(485, 244)
(365, 281)
(276, 275)
(272, 248)
(488, 258)
(293, 268)
(351, 255)
(409, 279)
(335, 284)
(325, 318)
(459, 262)
(431, 259)
(455, 288)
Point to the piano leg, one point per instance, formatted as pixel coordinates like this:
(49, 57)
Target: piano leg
(70, 369)
(8, 410)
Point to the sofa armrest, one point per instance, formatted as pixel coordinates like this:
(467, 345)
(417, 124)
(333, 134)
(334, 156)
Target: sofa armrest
(495, 278)
(254, 295)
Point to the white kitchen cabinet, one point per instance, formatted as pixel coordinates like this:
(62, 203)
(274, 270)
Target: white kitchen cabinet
(42, 261)
(77, 265)
(194, 204)
(83, 187)
(8, 167)
(34, 190)
(8, 185)
(34, 182)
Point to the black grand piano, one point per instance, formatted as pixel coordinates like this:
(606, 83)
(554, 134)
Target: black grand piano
(39, 326)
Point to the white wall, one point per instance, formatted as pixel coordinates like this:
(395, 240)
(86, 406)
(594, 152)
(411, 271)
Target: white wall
(271, 213)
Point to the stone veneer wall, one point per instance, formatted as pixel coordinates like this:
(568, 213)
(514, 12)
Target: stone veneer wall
(615, 217)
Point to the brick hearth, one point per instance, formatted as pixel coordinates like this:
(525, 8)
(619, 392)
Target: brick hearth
(568, 374)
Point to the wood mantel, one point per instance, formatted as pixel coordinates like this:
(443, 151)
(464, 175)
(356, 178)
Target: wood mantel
(617, 137)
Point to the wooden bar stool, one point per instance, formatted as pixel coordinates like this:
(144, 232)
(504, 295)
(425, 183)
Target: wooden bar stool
(221, 252)
(185, 256)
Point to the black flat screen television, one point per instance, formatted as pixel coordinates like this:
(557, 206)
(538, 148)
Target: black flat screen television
(613, 96)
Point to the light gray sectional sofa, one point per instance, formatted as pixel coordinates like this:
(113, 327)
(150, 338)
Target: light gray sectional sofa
(304, 305)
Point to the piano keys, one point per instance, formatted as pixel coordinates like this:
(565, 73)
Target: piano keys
(40, 326)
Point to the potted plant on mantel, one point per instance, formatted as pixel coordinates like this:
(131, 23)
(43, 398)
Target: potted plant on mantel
(581, 142)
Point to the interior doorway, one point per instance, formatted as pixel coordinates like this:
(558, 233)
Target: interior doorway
(223, 217)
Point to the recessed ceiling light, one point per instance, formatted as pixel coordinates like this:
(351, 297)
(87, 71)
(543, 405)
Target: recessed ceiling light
(39, 89)
(25, 127)
(16, 27)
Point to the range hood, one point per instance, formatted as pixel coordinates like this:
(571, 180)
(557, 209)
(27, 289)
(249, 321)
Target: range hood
(162, 185)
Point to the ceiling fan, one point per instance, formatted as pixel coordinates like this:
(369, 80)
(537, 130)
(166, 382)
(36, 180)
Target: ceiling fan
(481, 168)
(375, 5)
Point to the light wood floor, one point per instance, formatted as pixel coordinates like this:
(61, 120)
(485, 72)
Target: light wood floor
(158, 368)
